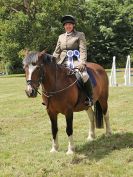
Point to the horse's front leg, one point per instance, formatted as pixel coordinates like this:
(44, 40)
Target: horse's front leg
(54, 128)
(69, 131)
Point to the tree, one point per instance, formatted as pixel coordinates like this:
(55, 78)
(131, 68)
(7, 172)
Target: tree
(35, 24)
(113, 29)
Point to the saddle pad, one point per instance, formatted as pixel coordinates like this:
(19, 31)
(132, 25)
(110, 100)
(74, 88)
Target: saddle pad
(92, 78)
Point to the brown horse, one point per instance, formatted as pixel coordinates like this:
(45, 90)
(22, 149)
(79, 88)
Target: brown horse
(61, 94)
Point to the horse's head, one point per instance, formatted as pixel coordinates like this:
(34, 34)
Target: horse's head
(34, 70)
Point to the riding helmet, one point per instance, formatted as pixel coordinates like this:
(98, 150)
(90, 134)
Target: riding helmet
(68, 19)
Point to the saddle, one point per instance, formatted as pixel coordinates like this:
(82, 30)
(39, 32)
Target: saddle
(80, 81)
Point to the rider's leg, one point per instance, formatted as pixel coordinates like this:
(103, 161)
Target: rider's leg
(87, 87)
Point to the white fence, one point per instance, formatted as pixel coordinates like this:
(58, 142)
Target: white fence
(127, 73)
(112, 78)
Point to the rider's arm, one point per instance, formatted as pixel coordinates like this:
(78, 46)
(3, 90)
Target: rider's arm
(82, 48)
(57, 51)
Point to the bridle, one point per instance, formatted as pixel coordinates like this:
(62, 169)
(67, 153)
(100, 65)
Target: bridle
(41, 80)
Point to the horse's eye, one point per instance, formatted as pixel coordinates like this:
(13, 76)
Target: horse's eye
(33, 64)
(38, 67)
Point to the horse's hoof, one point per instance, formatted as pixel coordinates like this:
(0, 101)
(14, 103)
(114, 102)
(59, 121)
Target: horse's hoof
(53, 150)
(70, 152)
(108, 134)
(90, 139)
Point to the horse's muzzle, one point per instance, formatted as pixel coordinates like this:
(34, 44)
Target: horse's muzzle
(32, 93)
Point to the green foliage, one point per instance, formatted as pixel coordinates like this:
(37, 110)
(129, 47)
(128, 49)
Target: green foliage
(9, 68)
(113, 31)
(35, 24)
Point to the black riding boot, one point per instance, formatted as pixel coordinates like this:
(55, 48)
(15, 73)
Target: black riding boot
(88, 91)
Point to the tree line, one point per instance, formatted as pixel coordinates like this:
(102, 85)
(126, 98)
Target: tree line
(35, 25)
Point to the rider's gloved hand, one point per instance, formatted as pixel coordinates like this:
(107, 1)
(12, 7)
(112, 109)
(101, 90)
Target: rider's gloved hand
(81, 67)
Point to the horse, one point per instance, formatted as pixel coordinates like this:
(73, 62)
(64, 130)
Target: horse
(62, 94)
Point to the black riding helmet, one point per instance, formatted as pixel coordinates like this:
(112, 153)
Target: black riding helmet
(68, 19)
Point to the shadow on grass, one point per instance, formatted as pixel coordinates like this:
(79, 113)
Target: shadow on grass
(103, 145)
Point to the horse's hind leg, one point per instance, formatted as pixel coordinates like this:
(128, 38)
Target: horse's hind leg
(69, 131)
(104, 106)
(107, 122)
(54, 128)
(91, 134)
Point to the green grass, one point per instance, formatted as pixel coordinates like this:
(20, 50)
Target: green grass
(25, 137)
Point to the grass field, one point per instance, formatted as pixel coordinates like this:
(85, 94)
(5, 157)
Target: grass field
(25, 137)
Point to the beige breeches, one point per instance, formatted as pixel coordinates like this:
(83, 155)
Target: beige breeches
(84, 75)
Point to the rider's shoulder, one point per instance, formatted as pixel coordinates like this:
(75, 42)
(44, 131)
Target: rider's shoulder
(80, 33)
(75, 33)
(62, 35)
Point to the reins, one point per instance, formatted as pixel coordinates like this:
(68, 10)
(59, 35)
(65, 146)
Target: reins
(49, 94)
(52, 93)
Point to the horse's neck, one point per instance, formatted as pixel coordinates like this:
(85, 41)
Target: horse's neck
(62, 72)
(56, 77)
(63, 77)
(49, 77)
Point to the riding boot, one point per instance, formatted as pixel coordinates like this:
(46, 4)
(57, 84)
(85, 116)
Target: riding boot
(89, 93)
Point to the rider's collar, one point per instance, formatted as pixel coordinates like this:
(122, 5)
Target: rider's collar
(68, 34)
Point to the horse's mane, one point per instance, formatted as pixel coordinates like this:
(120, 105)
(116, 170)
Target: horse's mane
(49, 59)
(32, 58)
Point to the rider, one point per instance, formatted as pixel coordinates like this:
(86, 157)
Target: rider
(74, 40)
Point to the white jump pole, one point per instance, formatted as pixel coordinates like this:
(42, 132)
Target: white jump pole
(127, 75)
(112, 77)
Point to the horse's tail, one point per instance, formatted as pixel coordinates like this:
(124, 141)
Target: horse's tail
(98, 115)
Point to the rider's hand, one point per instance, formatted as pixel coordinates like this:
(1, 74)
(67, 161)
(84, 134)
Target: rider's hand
(81, 67)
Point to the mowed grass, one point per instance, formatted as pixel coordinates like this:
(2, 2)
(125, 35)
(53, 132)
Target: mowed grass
(25, 137)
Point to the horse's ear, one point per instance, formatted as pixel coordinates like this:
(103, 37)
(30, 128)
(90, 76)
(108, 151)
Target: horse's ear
(26, 52)
(42, 52)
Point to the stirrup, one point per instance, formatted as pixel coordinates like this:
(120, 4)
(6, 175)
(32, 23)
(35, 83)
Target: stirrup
(89, 102)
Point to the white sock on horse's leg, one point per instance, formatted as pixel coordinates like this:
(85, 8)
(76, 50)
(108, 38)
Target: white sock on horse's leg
(70, 145)
(55, 145)
(107, 123)
(91, 134)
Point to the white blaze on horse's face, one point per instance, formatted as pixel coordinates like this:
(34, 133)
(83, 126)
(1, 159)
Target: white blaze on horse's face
(30, 71)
